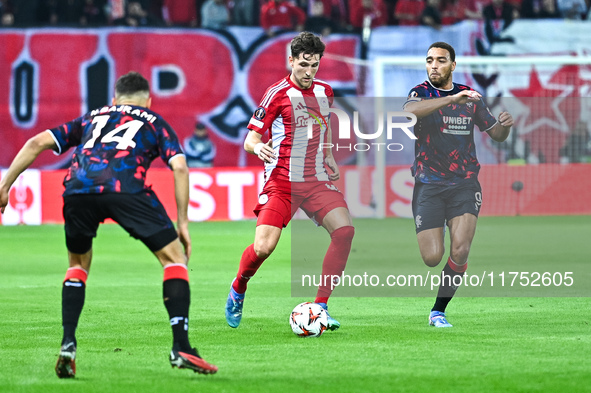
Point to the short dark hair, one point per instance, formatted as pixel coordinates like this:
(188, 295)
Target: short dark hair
(447, 47)
(131, 83)
(308, 44)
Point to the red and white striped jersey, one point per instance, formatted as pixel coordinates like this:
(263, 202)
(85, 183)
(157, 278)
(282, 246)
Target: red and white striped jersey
(286, 110)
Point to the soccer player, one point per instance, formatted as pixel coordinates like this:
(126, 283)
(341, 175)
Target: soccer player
(446, 169)
(113, 149)
(295, 172)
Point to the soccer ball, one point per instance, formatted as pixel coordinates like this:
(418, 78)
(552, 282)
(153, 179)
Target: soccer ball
(308, 320)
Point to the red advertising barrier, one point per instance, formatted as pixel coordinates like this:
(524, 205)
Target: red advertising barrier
(231, 193)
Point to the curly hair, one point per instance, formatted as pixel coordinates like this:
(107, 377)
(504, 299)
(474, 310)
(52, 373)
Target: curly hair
(306, 43)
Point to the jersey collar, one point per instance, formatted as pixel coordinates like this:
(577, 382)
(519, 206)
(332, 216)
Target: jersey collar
(453, 86)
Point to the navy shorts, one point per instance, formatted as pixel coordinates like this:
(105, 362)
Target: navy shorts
(142, 215)
(433, 204)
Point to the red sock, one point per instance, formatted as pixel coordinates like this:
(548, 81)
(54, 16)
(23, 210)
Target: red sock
(78, 273)
(335, 260)
(249, 264)
(455, 267)
(176, 270)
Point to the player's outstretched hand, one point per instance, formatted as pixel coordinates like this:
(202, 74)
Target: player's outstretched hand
(506, 119)
(332, 164)
(266, 152)
(3, 199)
(465, 96)
(185, 238)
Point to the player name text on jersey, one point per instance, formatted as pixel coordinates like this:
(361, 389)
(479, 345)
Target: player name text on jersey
(125, 109)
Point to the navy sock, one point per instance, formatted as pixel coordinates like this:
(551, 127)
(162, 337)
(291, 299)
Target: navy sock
(73, 294)
(177, 299)
(446, 289)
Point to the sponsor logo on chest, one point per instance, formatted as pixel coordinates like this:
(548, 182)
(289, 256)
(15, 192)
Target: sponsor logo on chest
(457, 125)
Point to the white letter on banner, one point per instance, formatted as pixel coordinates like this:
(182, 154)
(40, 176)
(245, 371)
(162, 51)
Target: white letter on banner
(402, 183)
(201, 203)
(235, 181)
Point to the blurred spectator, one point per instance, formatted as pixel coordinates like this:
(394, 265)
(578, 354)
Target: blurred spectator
(280, 14)
(576, 148)
(390, 6)
(539, 9)
(335, 10)
(339, 13)
(408, 12)
(318, 22)
(180, 13)
(135, 16)
(516, 6)
(431, 16)
(6, 15)
(199, 149)
(244, 12)
(93, 13)
(215, 14)
(572, 9)
(116, 9)
(473, 8)
(452, 12)
(498, 16)
(372, 10)
(326, 7)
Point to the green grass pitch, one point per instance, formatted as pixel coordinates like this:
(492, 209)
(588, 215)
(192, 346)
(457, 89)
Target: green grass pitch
(497, 344)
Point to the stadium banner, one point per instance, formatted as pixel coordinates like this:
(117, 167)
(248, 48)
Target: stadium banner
(222, 194)
(42, 87)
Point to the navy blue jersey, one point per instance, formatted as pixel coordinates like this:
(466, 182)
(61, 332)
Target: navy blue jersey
(444, 150)
(114, 147)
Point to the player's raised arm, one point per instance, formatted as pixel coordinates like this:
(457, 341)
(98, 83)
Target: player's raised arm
(181, 193)
(253, 144)
(500, 131)
(25, 157)
(427, 106)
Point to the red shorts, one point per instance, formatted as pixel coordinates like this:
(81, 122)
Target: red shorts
(280, 199)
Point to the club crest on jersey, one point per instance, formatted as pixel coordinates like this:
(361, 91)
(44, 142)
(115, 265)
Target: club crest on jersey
(260, 113)
(263, 198)
(324, 103)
